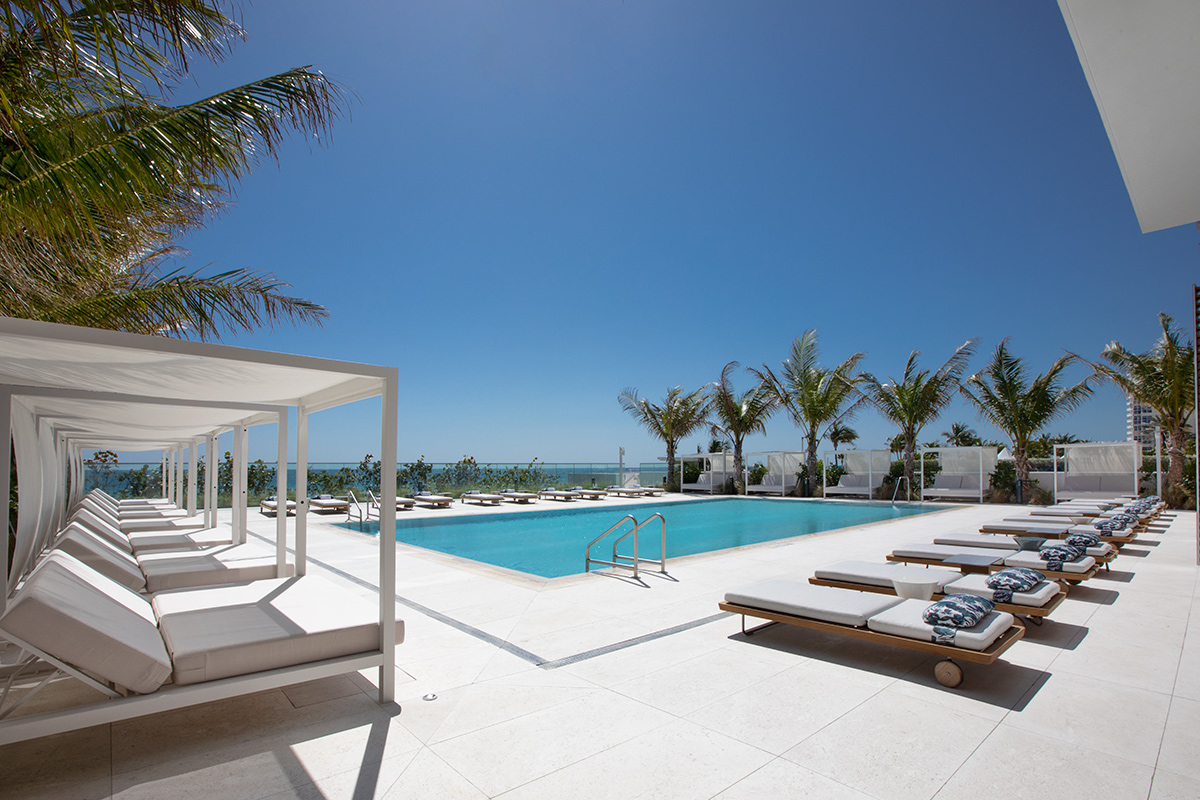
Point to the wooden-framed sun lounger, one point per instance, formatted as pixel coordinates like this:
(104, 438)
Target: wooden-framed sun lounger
(557, 494)
(650, 491)
(621, 491)
(867, 576)
(327, 503)
(874, 618)
(482, 498)
(1029, 526)
(1103, 552)
(936, 555)
(589, 494)
(402, 504)
(514, 496)
(269, 506)
(433, 500)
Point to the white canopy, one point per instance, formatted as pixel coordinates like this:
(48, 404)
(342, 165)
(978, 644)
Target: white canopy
(862, 462)
(64, 389)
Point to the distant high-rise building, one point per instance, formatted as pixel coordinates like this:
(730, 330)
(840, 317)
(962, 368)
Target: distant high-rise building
(1140, 421)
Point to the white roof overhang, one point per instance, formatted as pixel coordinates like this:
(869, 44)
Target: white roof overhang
(1142, 62)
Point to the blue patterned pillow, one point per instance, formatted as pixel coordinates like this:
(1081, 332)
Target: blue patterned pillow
(1056, 555)
(1083, 540)
(1015, 579)
(1108, 525)
(957, 611)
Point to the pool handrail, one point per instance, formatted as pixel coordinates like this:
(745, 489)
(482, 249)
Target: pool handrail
(636, 557)
(587, 553)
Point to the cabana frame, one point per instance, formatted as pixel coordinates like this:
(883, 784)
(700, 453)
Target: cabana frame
(39, 359)
(1130, 451)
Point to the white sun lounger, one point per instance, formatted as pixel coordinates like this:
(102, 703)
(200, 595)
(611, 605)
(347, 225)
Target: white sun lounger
(482, 498)
(270, 506)
(325, 503)
(621, 491)
(874, 617)
(550, 493)
(936, 554)
(870, 576)
(1024, 526)
(1101, 552)
(433, 500)
(514, 496)
(589, 494)
(211, 643)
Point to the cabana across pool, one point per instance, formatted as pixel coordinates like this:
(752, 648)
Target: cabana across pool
(551, 544)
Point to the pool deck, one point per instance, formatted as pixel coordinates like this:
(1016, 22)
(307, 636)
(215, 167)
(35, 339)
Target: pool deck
(596, 686)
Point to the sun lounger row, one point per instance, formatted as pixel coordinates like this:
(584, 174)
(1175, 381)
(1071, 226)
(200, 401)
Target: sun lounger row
(969, 612)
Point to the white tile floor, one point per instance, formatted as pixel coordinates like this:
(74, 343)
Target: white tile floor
(1103, 700)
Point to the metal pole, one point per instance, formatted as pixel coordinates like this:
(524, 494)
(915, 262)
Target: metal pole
(193, 468)
(5, 485)
(281, 514)
(301, 491)
(1196, 387)
(621, 468)
(242, 465)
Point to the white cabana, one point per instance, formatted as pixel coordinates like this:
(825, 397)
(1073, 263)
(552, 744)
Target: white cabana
(864, 472)
(1099, 470)
(782, 467)
(715, 470)
(964, 474)
(65, 389)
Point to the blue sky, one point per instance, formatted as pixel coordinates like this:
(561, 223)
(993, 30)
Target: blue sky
(535, 205)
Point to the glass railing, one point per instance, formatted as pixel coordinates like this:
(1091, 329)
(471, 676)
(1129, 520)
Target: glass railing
(145, 479)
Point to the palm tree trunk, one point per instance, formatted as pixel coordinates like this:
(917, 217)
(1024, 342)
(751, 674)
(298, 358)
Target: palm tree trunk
(1175, 451)
(671, 462)
(810, 481)
(1021, 462)
(910, 460)
(739, 478)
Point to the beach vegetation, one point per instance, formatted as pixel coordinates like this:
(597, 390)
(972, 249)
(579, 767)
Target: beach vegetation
(917, 398)
(1020, 406)
(815, 397)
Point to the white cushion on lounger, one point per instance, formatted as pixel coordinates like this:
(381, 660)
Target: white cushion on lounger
(72, 612)
(841, 606)
(1031, 560)
(96, 525)
(101, 555)
(905, 620)
(873, 573)
(976, 584)
(1031, 528)
(251, 627)
(165, 540)
(939, 551)
(997, 541)
(210, 567)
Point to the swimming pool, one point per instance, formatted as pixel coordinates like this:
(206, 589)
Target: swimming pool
(551, 543)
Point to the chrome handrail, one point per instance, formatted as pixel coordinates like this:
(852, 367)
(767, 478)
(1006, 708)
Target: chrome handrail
(353, 503)
(636, 557)
(587, 553)
(896, 491)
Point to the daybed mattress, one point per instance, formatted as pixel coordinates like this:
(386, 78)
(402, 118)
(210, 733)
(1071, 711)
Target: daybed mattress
(164, 540)
(1031, 560)
(145, 526)
(233, 630)
(69, 610)
(1025, 526)
(873, 573)
(101, 555)
(904, 619)
(102, 528)
(825, 603)
(939, 551)
(976, 584)
(214, 566)
(997, 541)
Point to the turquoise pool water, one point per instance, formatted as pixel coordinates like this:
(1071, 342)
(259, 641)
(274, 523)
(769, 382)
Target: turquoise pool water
(551, 543)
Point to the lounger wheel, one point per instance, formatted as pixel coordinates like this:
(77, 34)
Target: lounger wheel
(948, 673)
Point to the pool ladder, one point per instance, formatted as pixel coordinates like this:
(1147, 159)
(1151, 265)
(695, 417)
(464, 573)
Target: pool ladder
(630, 562)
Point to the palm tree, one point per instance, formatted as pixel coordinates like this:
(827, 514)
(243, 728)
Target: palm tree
(813, 395)
(679, 415)
(739, 415)
(837, 433)
(960, 435)
(1161, 378)
(98, 175)
(917, 398)
(1006, 397)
